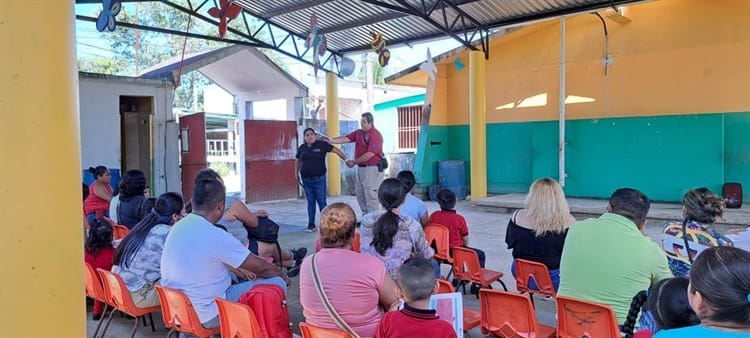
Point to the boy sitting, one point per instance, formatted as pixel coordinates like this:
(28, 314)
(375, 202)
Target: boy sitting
(458, 231)
(416, 283)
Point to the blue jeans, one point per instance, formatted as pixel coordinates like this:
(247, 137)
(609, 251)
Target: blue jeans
(554, 275)
(315, 191)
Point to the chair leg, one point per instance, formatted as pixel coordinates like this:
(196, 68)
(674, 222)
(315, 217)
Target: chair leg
(169, 334)
(135, 327)
(503, 284)
(151, 318)
(531, 296)
(101, 320)
(109, 319)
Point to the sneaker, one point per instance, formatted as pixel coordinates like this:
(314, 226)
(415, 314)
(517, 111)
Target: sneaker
(311, 228)
(292, 272)
(298, 255)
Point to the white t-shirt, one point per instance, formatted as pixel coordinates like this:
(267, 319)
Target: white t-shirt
(194, 258)
(113, 204)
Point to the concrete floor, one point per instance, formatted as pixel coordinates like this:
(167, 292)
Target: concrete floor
(487, 232)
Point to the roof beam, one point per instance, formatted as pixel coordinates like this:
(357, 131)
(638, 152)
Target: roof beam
(363, 22)
(296, 7)
(80, 2)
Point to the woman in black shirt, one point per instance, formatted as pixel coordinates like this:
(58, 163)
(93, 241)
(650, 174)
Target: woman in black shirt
(311, 168)
(537, 232)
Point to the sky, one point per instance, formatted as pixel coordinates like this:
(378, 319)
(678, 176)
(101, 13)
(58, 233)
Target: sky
(89, 44)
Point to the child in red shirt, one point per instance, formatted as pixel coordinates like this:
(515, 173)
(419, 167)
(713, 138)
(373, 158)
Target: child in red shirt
(458, 231)
(99, 252)
(416, 283)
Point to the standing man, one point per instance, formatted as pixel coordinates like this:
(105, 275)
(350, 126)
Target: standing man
(368, 151)
(609, 259)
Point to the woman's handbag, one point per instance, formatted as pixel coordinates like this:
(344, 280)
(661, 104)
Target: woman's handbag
(329, 307)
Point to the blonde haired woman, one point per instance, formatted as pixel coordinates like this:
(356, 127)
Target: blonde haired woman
(537, 232)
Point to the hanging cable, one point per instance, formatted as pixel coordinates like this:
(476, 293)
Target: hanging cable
(606, 43)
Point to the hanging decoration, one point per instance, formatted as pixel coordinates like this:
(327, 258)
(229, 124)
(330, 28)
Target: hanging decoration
(346, 66)
(106, 20)
(378, 44)
(317, 42)
(429, 66)
(227, 11)
(458, 64)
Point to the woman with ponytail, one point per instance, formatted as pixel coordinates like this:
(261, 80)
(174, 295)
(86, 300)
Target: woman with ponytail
(390, 237)
(665, 306)
(138, 257)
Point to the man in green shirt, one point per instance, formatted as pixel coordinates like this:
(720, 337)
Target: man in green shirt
(607, 260)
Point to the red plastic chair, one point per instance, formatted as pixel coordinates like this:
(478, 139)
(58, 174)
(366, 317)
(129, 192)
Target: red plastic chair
(312, 331)
(439, 236)
(119, 231)
(467, 270)
(355, 243)
(120, 298)
(529, 270)
(95, 290)
(506, 314)
(472, 318)
(237, 320)
(179, 315)
(579, 318)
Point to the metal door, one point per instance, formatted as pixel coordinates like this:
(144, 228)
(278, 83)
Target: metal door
(270, 147)
(192, 149)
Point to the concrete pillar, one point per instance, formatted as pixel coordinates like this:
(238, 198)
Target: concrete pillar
(332, 130)
(477, 124)
(41, 247)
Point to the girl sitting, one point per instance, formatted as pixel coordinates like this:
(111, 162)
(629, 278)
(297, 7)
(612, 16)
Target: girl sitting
(99, 252)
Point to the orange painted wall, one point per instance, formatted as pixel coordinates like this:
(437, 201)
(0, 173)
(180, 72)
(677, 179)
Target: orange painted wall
(675, 57)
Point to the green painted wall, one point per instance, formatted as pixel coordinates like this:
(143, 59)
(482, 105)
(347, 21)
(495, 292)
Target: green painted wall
(662, 156)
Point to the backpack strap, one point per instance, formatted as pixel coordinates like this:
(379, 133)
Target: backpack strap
(327, 303)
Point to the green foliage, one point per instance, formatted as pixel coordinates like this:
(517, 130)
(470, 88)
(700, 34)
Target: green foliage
(224, 169)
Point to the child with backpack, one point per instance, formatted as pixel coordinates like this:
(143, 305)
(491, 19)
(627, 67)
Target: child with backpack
(99, 253)
(416, 284)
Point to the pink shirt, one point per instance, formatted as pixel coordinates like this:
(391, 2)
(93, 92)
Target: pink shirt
(351, 281)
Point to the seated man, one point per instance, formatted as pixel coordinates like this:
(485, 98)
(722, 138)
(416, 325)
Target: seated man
(607, 260)
(198, 257)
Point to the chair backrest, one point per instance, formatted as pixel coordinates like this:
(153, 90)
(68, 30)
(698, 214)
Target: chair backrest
(465, 264)
(355, 243)
(116, 291)
(177, 311)
(507, 314)
(119, 231)
(579, 318)
(311, 331)
(237, 320)
(438, 235)
(94, 288)
(445, 286)
(527, 270)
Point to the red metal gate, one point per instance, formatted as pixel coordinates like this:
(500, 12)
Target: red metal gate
(193, 150)
(270, 147)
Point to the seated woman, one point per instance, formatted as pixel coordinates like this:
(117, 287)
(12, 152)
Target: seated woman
(700, 207)
(237, 218)
(390, 237)
(96, 202)
(138, 257)
(357, 285)
(537, 232)
(719, 293)
(665, 306)
(131, 188)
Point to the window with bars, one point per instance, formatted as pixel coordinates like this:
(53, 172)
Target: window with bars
(409, 121)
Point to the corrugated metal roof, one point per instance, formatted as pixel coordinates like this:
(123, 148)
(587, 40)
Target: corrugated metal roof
(347, 23)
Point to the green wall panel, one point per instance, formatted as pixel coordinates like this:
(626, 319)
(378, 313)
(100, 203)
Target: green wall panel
(737, 150)
(509, 157)
(437, 149)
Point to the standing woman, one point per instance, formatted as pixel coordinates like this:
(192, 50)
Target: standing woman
(96, 204)
(138, 257)
(700, 208)
(311, 167)
(537, 232)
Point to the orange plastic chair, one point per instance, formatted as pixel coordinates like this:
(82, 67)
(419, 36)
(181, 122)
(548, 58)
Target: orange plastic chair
(506, 314)
(95, 290)
(467, 270)
(472, 318)
(312, 331)
(237, 320)
(120, 298)
(178, 314)
(529, 270)
(355, 243)
(579, 318)
(119, 231)
(438, 235)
